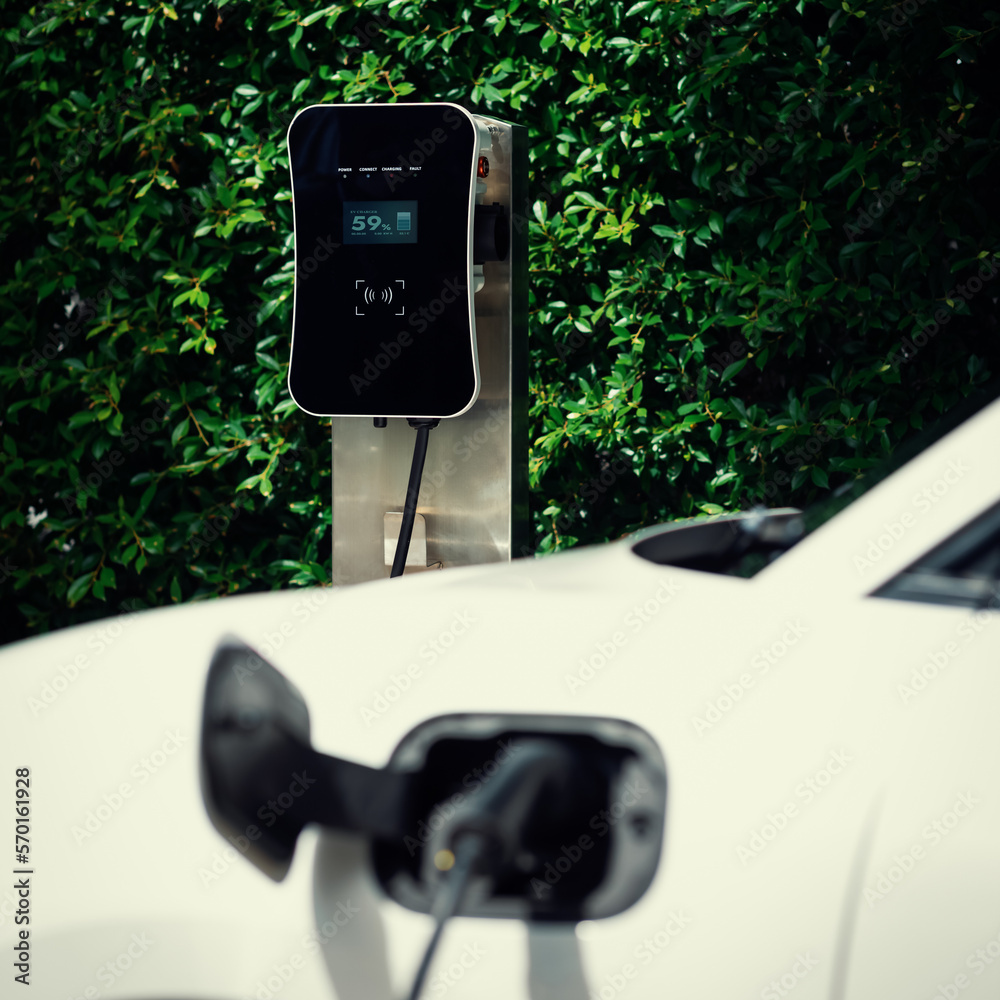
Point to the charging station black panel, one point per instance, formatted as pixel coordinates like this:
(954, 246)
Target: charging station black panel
(384, 200)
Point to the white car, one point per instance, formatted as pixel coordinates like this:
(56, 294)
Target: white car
(796, 774)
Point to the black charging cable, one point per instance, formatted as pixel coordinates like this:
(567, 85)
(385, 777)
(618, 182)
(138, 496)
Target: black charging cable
(423, 428)
(468, 850)
(485, 834)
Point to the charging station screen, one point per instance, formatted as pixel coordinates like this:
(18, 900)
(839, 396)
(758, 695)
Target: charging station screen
(380, 222)
(383, 197)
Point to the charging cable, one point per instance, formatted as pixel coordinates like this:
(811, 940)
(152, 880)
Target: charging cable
(485, 834)
(468, 850)
(423, 428)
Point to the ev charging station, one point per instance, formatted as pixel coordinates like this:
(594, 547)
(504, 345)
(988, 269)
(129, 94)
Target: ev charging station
(418, 319)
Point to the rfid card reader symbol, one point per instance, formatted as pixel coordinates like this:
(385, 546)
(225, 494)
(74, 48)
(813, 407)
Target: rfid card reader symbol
(380, 295)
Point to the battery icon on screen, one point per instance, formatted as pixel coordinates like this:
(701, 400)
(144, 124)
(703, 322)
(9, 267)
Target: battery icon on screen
(403, 222)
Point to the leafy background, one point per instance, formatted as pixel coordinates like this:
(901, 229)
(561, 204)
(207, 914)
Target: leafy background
(738, 226)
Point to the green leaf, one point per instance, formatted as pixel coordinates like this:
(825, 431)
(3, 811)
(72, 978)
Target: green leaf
(78, 588)
(731, 371)
(179, 431)
(317, 14)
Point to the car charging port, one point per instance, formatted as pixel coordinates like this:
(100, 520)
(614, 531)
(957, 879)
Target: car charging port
(533, 817)
(573, 810)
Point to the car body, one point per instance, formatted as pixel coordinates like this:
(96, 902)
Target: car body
(832, 758)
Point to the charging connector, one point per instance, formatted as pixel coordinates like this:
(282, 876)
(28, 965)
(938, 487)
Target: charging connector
(573, 808)
(508, 806)
(485, 834)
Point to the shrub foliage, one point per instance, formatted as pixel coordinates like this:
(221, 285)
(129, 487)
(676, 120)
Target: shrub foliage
(763, 240)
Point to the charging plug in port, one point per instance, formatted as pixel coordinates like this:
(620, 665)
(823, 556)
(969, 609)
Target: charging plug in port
(575, 808)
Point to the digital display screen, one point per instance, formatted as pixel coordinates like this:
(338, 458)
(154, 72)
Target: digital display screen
(380, 222)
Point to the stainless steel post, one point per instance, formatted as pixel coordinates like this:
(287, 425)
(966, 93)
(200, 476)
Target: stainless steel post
(474, 500)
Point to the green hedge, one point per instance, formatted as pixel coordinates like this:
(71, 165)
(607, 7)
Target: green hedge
(755, 235)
